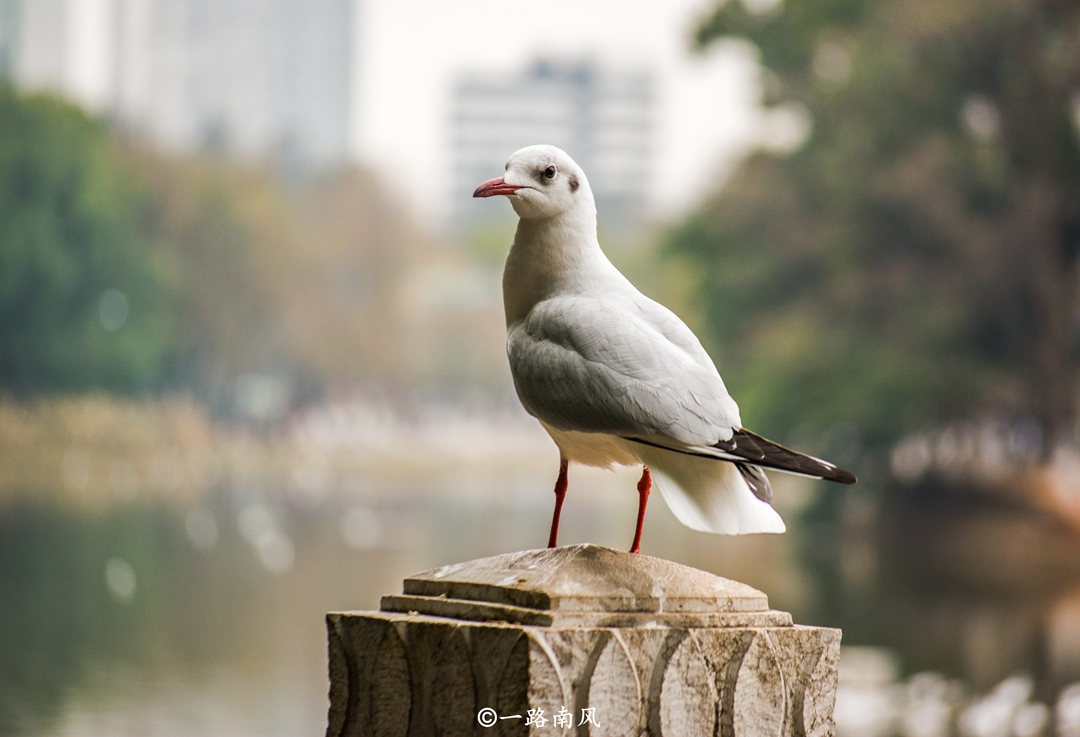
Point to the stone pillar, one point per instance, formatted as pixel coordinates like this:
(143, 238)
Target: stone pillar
(613, 643)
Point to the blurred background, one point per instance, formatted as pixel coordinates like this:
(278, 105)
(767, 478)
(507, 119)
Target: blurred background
(252, 359)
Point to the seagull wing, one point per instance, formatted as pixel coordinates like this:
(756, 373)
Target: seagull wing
(618, 366)
(745, 447)
(631, 368)
(751, 447)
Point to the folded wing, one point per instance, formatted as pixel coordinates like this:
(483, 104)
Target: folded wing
(600, 366)
(747, 448)
(767, 454)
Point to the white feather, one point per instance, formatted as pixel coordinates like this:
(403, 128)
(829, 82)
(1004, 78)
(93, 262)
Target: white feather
(709, 496)
(703, 494)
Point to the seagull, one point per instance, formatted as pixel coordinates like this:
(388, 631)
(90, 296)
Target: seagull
(618, 379)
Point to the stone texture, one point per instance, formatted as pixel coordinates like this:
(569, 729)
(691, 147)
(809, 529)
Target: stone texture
(652, 647)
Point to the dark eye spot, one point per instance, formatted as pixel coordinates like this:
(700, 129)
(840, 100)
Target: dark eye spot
(550, 172)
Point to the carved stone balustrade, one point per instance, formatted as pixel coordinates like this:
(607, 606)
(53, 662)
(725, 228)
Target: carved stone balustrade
(605, 641)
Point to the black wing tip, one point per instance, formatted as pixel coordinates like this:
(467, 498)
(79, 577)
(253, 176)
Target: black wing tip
(756, 479)
(758, 460)
(759, 447)
(841, 476)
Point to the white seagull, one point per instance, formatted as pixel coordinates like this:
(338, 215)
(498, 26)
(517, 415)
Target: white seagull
(616, 378)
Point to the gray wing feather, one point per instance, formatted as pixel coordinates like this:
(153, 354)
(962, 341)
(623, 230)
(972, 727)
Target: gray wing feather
(612, 367)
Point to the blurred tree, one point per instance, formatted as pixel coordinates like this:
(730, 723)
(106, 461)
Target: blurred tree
(234, 248)
(915, 260)
(349, 313)
(305, 283)
(83, 300)
(128, 271)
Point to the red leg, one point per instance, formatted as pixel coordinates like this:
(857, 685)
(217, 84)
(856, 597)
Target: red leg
(644, 486)
(560, 494)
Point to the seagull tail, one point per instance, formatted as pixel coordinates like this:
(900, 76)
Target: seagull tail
(710, 495)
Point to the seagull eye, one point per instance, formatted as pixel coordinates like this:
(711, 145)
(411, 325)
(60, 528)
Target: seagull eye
(550, 172)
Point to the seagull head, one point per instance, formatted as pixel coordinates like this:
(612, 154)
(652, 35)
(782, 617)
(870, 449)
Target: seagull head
(541, 182)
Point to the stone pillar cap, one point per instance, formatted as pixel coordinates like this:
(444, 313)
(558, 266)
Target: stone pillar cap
(580, 585)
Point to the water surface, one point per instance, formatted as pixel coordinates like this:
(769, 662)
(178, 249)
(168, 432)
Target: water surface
(157, 617)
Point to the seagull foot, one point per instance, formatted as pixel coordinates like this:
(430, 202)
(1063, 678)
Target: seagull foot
(644, 486)
(560, 494)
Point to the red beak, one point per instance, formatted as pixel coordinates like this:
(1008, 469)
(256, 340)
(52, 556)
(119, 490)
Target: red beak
(496, 187)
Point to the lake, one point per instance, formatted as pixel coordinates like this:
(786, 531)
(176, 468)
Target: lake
(204, 616)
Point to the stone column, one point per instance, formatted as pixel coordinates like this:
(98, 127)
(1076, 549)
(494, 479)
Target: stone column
(605, 641)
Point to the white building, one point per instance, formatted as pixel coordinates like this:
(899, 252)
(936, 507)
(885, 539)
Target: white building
(602, 117)
(250, 77)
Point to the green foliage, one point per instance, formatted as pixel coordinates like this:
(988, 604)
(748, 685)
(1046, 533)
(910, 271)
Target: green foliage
(227, 238)
(126, 271)
(82, 301)
(915, 261)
